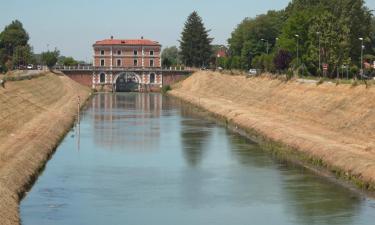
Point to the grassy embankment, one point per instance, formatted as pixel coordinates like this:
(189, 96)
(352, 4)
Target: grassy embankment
(327, 125)
(34, 116)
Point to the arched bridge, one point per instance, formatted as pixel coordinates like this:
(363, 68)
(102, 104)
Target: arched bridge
(125, 79)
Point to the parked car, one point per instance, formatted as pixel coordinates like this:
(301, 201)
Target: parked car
(253, 72)
(30, 66)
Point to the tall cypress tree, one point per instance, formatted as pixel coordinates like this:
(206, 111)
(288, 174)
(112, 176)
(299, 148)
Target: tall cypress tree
(195, 44)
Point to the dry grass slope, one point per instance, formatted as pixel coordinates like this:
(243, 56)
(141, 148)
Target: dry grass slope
(34, 115)
(332, 124)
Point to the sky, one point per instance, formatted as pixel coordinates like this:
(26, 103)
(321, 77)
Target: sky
(72, 26)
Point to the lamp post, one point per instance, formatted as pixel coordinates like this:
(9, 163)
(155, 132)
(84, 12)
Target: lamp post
(362, 47)
(266, 43)
(318, 33)
(297, 36)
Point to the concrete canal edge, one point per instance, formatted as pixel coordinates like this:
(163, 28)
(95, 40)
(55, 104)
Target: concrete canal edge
(35, 116)
(238, 102)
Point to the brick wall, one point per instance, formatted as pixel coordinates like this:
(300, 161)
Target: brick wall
(84, 78)
(170, 78)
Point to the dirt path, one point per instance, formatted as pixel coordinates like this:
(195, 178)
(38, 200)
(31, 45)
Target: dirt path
(34, 116)
(331, 124)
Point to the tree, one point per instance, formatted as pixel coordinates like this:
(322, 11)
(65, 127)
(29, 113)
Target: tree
(195, 44)
(13, 35)
(50, 58)
(334, 38)
(282, 60)
(14, 43)
(22, 55)
(170, 57)
(67, 61)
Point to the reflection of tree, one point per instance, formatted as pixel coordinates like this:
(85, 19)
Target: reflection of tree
(248, 152)
(194, 135)
(310, 198)
(314, 200)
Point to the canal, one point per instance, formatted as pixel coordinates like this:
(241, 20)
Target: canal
(142, 159)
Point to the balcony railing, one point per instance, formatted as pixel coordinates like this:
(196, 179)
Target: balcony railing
(116, 68)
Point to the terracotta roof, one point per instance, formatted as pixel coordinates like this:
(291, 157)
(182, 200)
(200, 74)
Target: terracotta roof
(127, 42)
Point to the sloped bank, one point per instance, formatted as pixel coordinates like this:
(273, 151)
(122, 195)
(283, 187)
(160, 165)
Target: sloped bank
(327, 125)
(34, 116)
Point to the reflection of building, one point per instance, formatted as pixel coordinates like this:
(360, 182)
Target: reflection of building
(127, 65)
(126, 121)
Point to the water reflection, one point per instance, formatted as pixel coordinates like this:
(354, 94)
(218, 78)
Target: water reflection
(310, 198)
(313, 200)
(122, 120)
(194, 136)
(148, 159)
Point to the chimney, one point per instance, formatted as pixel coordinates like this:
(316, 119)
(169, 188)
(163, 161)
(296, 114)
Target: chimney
(111, 37)
(142, 37)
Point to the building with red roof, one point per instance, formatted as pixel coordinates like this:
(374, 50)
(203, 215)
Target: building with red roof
(120, 62)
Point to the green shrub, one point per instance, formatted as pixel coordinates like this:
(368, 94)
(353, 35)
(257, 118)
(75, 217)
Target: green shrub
(165, 89)
(289, 74)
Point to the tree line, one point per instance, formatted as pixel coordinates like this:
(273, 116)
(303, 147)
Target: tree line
(304, 36)
(16, 52)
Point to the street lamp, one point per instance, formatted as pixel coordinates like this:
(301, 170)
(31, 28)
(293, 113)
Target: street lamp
(362, 47)
(266, 42)
(318, 33)
(297, 36)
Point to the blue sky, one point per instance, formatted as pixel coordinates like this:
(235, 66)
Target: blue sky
(74, 25)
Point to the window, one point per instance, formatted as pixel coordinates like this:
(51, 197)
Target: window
(135, 52)
(102, 78)
(151, 52)
(119, 62)
(102, 62)
(135, 62)
(101, 52)
(151, 63)
(152, 78)
(118, 52)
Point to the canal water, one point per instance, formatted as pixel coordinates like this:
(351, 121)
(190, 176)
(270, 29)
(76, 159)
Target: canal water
(145, 159)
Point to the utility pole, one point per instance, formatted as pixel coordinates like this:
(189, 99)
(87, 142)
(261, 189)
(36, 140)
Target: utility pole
(297, 36)
(362, 47)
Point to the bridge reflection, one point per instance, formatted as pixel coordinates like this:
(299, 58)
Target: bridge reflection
(126, 121)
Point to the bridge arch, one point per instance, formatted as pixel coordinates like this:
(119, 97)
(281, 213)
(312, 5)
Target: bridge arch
(126, 82)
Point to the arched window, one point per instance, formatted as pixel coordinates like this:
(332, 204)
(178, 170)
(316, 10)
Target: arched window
(152, 78)
(102, 78)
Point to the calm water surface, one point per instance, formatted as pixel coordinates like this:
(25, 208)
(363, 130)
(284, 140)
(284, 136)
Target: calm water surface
(142, 159)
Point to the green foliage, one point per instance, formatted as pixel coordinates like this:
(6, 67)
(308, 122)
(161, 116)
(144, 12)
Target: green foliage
(67, 61)
(50, 58)
(333, 25)
(264, 62)
(246, 40)
(195, 44)
(165, 89)
(22, 55)
(354, 70)
(289, 74)
(170, 57)
(282, 60)
(14, 47)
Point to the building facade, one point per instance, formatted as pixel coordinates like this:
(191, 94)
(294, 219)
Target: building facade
(127, 65)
